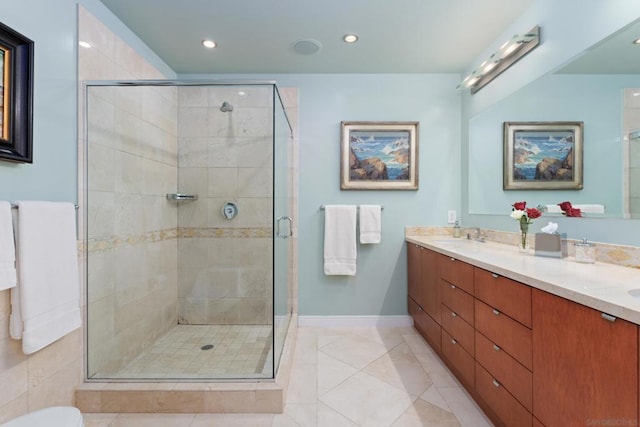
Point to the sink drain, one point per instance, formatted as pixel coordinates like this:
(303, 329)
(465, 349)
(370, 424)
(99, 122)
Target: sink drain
(206, 347)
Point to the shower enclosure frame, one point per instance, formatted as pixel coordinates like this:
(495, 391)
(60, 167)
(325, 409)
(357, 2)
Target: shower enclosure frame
(278, 218)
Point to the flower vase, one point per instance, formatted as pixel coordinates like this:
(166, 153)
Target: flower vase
(523, 245)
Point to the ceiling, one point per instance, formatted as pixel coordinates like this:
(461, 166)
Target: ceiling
(257, 36)
(617, 54)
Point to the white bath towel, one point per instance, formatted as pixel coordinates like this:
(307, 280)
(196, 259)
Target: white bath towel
(370, 224)
(7, 248)
(45, 306)
(340, 240)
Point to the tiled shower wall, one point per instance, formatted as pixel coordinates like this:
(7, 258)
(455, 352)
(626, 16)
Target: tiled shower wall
(225, 266)
(632, 150)
(132, 267)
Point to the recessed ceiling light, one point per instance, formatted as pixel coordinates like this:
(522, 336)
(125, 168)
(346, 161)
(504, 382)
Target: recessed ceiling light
(209, 44)
(84, 44)
(350, 38)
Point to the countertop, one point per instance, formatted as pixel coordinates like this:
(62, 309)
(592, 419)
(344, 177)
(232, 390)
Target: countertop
(601, 286)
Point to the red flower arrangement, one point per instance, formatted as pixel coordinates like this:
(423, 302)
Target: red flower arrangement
(568, 210)
(524, 216)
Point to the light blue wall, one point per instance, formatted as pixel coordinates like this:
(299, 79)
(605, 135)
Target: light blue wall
(568, 28)
(595, 100)
(325, 100)
(52, 26)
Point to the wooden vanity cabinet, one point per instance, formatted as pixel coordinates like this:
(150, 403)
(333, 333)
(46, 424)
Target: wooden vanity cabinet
(585, 365)
(424, 292)
(414, 277)
(529, 358)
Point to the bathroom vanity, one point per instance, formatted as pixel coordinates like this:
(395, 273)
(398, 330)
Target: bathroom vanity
(535, 341)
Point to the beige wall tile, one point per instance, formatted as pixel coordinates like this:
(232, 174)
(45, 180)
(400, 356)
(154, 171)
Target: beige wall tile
(57, 389)
(14, 408)
(14, 383)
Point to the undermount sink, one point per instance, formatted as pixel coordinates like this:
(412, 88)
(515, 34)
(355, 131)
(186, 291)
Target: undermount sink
(634, 293)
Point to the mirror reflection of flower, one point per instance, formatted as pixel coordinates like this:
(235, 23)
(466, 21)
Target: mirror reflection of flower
(524, 216)
(568, 210)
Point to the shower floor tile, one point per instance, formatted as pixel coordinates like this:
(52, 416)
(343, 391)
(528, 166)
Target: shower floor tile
(241, 351)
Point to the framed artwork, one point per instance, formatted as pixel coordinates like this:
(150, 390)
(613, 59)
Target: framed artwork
(16, 96)
(379, 156)
(543, 155)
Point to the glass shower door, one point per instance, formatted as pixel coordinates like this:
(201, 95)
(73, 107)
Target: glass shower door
(283, 227)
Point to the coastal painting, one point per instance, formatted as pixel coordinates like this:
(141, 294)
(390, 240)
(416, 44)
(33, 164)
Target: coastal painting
(379, 156)
(542, 155)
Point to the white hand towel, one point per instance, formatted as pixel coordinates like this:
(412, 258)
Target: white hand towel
(340, 240)
(370, 224)
(7, 248)
(45, 306)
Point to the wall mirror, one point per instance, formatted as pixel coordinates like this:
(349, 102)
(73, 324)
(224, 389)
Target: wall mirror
(591, 89)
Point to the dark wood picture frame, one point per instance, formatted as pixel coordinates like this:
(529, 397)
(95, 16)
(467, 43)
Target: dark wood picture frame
(16, 96)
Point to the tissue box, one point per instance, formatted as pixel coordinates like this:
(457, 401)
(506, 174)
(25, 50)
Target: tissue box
(551, 245)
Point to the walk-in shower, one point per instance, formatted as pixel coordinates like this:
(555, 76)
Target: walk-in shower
(178, 286)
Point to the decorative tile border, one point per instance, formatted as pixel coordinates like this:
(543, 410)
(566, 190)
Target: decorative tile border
(622, 255)
(106, 244)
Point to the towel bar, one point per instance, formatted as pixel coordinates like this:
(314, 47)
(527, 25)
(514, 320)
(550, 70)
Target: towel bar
(322, 207)
(14, 206)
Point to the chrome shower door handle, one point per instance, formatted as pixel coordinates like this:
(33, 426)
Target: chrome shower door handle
(278, 230)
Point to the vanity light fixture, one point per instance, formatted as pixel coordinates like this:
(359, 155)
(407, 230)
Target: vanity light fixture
(350, 38)
(510, 52)
(209, 44)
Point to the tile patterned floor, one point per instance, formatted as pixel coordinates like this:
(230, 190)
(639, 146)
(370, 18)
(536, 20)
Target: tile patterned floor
(238, 352)
(348, 377)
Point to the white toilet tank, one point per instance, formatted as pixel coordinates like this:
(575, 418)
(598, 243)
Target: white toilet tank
(56, 416)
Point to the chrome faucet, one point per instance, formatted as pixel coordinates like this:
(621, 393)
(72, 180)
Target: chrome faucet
(478, 237)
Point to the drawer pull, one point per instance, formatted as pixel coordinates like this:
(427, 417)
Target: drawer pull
(452, 259)
(496, 383)
(608, 317)
(496, 348)
(453, 286)
(454, 342)
(494, 275)
(496, 312)
(453, 314)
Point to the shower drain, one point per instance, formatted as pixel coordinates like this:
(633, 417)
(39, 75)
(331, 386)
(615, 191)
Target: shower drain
(206, 347)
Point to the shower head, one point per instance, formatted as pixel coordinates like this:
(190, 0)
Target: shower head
(226, 107)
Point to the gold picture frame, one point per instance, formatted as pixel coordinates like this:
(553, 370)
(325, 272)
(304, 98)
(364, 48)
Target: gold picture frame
(543, 155)
(379, 156)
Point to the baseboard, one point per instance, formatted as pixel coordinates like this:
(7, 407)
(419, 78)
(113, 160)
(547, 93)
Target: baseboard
(355, 321)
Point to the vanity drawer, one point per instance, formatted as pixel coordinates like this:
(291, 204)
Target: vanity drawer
(425, 324)
(504, 368)
(509, 335)
(457, 273)
(503, 404)
(506, 295)
(457, 300)
(458, 328)
(460, 361)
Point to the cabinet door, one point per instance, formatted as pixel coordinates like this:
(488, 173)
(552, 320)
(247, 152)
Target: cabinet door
(430, 297)
(585, 367)
(413, 271)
